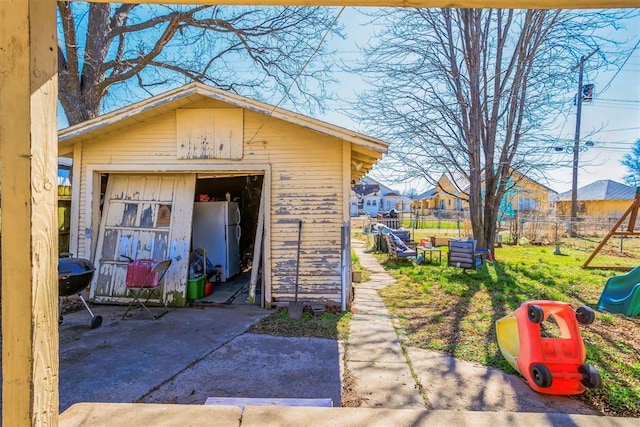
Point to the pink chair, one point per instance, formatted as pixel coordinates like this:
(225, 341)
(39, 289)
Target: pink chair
(144, 278)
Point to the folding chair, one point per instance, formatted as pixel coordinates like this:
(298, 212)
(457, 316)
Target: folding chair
(144, 277)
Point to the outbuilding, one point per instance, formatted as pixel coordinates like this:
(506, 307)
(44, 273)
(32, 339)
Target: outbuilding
(140, 172)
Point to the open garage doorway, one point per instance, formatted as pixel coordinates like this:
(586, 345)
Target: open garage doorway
(223, 245)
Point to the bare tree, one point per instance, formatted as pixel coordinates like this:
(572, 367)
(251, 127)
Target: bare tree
(472, 93)
(255, 51)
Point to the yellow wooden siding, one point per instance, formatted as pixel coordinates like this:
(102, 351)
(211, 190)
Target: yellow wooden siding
(306, 171)
(594, 208)
(209, 133)
(529, 189)
(307, 181)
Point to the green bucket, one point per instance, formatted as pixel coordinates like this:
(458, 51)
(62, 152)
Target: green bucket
(195, 288)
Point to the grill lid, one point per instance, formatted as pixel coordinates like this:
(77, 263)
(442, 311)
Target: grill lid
(74, 266)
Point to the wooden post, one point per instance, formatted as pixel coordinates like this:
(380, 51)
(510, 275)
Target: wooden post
(257, 250)
(28, 159)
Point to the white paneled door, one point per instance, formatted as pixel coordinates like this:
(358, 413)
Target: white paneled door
(144, 216)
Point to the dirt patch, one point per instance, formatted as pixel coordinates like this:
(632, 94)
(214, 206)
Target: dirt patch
(617, 253)
(350, 397)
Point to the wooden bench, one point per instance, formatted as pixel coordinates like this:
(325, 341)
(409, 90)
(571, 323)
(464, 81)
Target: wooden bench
(462, 254)
(397, 252)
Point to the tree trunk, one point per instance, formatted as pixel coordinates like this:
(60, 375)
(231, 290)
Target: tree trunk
(79, 106)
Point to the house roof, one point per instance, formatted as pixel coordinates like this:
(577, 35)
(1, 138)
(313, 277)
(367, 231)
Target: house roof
(367, 180)
(426, 195)
(599, 190)
(366, 189)
(521, 176)
(365, 150)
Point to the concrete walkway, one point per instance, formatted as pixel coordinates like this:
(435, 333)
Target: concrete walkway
(373, 354)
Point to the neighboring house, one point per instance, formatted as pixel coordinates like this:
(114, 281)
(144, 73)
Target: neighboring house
(371, 197)
(603, 198)
(365, 197)
(139, 171)
(445, 197)
(397, 201)
(525, 196)
(448, 198)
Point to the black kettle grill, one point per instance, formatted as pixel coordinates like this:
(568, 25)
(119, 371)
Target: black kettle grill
(74, 275)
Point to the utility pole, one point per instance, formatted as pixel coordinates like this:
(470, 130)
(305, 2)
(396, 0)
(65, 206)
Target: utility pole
(576, 146)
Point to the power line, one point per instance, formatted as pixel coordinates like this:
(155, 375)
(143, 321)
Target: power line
(620, 130)
(620, 68)
(632, 101)
(286, 92)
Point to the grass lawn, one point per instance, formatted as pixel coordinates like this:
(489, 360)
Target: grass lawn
(445, 310)
(333, 324)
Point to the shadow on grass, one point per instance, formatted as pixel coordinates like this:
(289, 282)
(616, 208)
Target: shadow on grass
(441, 305)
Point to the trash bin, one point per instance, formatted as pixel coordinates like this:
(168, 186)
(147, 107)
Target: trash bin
(195, 288)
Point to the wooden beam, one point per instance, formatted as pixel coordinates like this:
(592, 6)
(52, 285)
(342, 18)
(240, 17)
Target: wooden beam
(501, 4)
(632, 213)
(28, 155)
(257, 250)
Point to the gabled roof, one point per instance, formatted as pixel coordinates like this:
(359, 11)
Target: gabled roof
(365, 151)
(370, 181)
(366, 189)
(599, 190)
(426, 195)
(519, 176)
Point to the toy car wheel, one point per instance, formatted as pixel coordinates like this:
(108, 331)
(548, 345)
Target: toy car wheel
(590, 376)
(96, 322)
(585, 315)
(535, 313)
(541, 375)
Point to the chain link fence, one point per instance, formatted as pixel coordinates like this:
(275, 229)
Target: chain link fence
(533, 228)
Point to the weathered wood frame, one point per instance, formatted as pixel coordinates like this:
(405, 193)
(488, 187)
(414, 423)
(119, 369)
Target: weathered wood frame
(28, 155)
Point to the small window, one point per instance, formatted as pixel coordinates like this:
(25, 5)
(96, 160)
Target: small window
(527, 204)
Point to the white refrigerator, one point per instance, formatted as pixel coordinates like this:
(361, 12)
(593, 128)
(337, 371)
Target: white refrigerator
(216, 228)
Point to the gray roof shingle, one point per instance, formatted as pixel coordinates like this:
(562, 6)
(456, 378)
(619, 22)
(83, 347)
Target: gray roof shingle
(600, 190)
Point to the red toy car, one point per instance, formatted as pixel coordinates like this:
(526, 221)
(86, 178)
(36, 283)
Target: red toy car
(550, 364)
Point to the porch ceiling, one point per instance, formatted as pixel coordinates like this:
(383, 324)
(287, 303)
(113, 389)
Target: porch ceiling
(501, 4)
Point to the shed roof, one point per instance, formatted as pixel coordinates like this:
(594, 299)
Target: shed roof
(365, 150)
(600, 190)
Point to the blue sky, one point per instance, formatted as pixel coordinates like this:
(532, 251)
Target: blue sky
(611, 121)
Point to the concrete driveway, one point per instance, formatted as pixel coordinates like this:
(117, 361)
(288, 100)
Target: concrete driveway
(188, 355)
